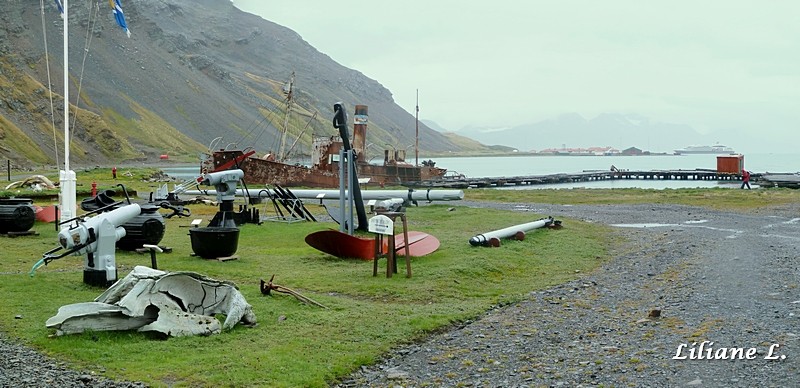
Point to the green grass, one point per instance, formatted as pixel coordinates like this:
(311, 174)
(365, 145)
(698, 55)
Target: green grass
(716, 198)
(295, 344)
(299, 345)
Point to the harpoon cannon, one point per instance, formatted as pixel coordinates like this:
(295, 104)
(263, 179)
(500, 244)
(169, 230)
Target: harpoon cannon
(95, 238)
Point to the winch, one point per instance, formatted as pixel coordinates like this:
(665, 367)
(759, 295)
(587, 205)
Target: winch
(221, 237)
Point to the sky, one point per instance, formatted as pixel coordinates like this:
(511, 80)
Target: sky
(720, 66)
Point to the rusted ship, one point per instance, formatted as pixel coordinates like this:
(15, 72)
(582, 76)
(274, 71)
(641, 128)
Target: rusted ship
(324, 169)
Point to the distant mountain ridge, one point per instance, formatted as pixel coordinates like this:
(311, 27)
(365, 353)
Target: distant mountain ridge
(193, 70)
(572, 130)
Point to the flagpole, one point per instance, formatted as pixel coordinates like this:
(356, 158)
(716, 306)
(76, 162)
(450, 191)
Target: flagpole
(66, 85)
(67, 176)
(416, 141)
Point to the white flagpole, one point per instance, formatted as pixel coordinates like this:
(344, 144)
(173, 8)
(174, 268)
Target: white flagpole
(67, 176)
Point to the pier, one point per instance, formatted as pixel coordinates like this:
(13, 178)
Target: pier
(585, 176)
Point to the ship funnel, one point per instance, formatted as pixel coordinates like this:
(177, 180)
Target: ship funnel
(360, 133)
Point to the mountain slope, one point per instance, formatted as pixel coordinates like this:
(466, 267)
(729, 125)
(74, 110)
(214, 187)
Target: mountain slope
(191, 72)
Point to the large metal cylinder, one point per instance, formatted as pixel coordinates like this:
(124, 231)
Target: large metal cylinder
(517, 231)
(146, 228)
(16, 215)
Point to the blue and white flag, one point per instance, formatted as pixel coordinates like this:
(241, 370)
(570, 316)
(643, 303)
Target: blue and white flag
(116, 7)
(60, 8)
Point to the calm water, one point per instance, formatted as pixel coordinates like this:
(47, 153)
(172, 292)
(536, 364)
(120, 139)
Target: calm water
(540, 165)
(500, 166)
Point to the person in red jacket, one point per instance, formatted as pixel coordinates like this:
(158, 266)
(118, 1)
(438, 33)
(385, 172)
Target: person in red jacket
(745, 179)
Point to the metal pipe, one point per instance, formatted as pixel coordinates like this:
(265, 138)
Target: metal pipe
(341, 191)
(350, 202)
(410, 195)
(517, 231)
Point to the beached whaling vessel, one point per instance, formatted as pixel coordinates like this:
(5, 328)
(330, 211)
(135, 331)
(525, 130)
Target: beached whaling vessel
(324, 169)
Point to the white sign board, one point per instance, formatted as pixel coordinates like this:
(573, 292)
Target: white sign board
(381, 224)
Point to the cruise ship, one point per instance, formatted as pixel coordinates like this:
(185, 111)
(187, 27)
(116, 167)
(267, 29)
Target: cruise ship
(715, 149)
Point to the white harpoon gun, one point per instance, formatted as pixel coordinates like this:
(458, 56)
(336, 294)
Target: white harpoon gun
(95, 238)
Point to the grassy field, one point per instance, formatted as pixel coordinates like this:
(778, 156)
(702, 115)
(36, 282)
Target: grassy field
(300, 345)
(715, 198)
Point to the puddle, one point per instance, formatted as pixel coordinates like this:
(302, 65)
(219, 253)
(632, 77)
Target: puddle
(796, 238)
(651, 225)
(696, 222)
(657, 225)
(688, 224)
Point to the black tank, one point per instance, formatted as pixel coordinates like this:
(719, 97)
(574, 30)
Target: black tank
(214, 242)
(146, 228)
(16, 215)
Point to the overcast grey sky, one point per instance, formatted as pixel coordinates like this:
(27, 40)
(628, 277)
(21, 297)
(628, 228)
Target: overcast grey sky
(716, 65)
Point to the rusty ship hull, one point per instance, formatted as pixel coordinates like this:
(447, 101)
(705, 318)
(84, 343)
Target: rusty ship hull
(324, 169)
(322, 175)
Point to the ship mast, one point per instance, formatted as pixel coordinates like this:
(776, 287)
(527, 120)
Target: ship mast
(288, 90)
(416, 142)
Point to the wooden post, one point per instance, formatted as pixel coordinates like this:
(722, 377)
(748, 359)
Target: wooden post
(405, 238)
(391, 265)
(391, 254)
(378, 253)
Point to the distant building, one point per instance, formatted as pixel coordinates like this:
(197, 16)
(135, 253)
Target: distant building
(549, 151)
(632, 151)
(591, 151)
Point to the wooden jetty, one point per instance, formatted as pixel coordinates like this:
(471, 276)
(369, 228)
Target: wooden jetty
(791, 181)
(586, 176)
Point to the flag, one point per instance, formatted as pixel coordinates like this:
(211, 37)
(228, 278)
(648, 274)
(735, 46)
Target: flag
(116, 7)
(60, 8)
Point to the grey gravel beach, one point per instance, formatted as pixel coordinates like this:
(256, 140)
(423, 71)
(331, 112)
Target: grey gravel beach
(679, 275)
(679, 278)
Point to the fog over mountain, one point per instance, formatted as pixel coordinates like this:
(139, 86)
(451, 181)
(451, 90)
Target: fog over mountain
(726, 69)
(571, 130)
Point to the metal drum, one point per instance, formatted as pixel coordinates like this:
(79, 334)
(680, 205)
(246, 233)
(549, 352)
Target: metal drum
(146, 228)
(16, 215)
(214, 242)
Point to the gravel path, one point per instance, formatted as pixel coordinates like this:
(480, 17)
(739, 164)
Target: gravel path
(21, 366)
(713, 276)
(716, 276)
